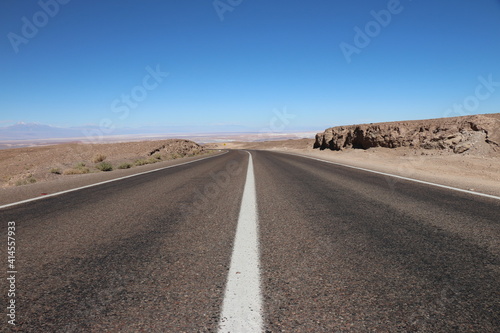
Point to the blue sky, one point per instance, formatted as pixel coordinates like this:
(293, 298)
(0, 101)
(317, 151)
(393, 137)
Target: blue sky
(240, 63)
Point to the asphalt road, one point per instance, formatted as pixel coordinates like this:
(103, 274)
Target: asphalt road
(341, 250)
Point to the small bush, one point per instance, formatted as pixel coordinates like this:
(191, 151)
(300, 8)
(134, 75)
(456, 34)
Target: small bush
(150, 160)
(104, 166)
(56, 171)
(99, 158)
(157, 156)
(76, 171)
(125, 165)
(194, 152)
(174, 156)
(29, 180)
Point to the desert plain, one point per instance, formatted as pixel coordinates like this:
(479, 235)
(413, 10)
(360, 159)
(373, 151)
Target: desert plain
(462, 152)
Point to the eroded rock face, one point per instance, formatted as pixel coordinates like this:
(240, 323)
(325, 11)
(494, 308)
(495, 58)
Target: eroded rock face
(457, 134)
(177, 146)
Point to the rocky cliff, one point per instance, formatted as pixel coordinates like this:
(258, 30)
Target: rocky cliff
(457, 134)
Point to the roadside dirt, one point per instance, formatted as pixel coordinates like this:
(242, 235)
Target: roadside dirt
(476, 170)
(23, 166)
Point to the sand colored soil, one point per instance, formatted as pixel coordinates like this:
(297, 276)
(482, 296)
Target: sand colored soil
(22, 166)
(472, 170)
(477, 169)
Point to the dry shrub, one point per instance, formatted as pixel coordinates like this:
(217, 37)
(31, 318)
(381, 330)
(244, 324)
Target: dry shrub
(98, 158)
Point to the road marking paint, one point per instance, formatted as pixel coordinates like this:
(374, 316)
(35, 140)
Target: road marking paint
(242, 305)
(401, 177)
(44, 196)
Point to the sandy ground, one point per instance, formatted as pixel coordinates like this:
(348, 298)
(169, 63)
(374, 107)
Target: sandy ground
(474, 171)
(24, 166)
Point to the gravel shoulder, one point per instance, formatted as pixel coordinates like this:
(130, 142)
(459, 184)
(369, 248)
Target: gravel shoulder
(480, 174)
(474, 171)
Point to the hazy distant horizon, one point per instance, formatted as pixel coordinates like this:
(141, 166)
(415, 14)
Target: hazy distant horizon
(24, 131)
(200, 138)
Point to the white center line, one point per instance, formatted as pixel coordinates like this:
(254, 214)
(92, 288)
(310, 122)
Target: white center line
(242, 305)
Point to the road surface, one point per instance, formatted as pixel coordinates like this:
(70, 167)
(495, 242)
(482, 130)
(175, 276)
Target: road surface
(336, 250)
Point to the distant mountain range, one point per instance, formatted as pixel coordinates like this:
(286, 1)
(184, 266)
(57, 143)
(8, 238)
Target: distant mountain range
(29, 131)
(35, 131)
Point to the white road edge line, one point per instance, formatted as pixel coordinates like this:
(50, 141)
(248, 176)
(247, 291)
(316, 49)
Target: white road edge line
(401, 177)
(104, 182)
(242, 304)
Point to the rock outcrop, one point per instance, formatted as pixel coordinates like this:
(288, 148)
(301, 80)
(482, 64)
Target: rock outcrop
(178, 146)
(457, 134)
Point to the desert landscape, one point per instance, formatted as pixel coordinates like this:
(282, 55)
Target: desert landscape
(250, 166)
(23, 166)
(461, 151)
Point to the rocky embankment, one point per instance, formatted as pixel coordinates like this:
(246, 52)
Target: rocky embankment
(458, 134)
